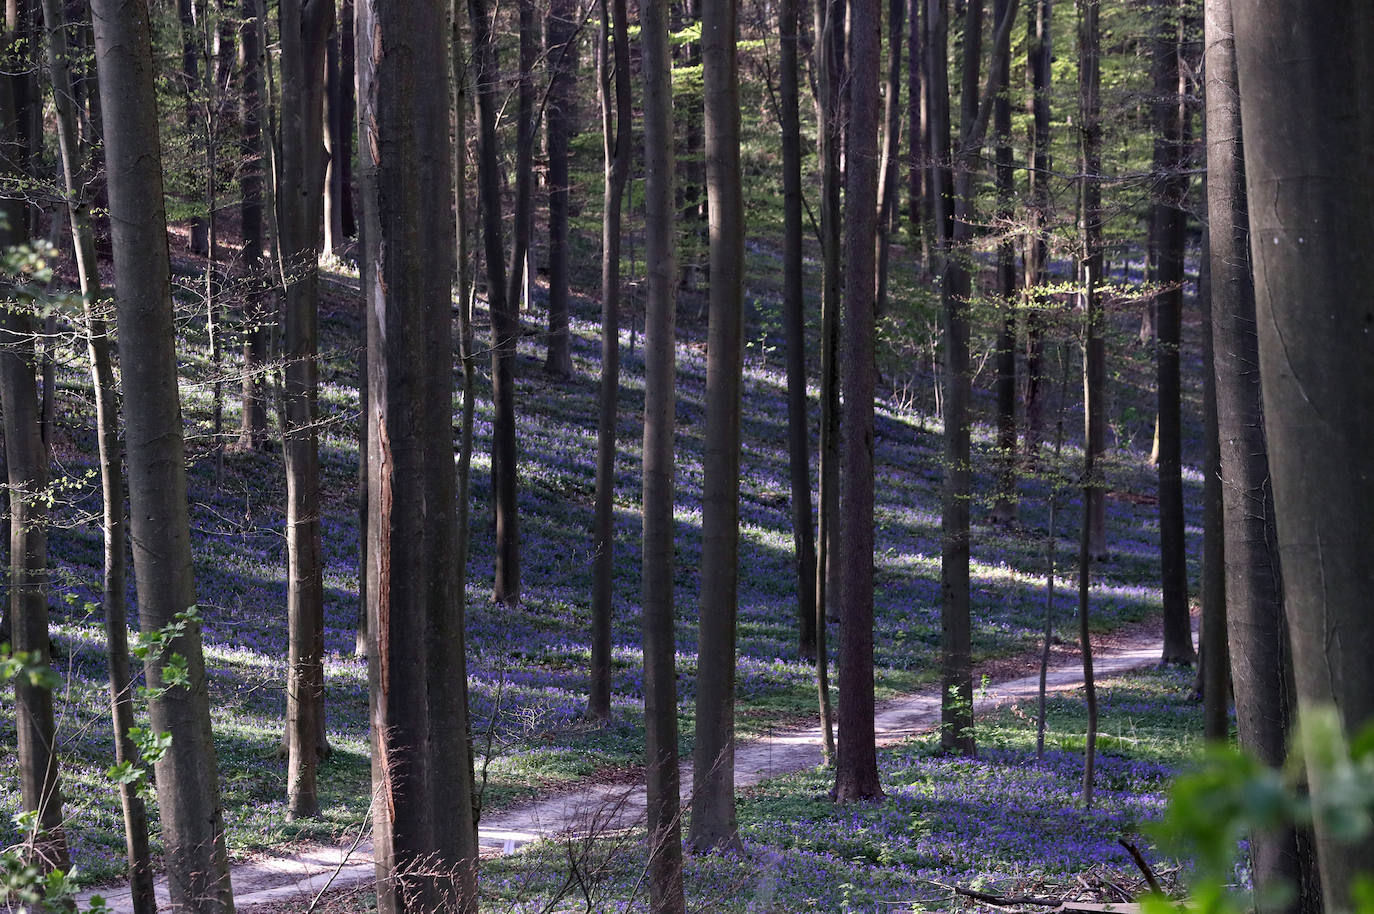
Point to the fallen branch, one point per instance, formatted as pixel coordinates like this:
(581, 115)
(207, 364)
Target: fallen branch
(1139, 859)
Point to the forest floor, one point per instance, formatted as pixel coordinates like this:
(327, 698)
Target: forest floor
(324, 877)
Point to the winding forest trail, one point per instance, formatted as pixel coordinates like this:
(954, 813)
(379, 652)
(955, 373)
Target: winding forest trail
(291, 883)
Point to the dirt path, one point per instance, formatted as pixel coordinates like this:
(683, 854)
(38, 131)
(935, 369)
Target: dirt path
(291, 882)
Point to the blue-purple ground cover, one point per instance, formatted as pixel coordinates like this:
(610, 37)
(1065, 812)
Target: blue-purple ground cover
(528, 664)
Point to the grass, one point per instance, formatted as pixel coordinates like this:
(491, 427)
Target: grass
(1001, 822)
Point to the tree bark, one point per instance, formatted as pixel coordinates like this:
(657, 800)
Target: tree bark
(1214, 661)
(856, 767)
(501, 300)
(561, 50)
(1004, 502)
(892, 132)
(1039, 54)
(1167, 218)
(191, 51)
(1261, 659)
(187, 777)
(72, 154)
(305, 27)
(341, 120)
(253, 426)
(616, 123)
(660, 673)
(794, 325)
(425, 839)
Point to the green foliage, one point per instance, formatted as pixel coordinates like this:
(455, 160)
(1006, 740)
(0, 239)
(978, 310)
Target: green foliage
(1327, 780)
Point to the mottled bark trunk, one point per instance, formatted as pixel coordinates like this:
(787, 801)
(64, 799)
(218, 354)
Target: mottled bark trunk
(425, 840)
(187, 777)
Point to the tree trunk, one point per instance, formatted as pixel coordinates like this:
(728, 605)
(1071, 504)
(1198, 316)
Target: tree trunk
(856, 768)
(918, 197)
(829, 65)
(1094, 361)
(300, 202)
(502, 301)
(713, 767)
(425, 840)
(187, 777)
(660, 673)
(1004, 503)
(110, 454)
(253, 427)
(794, 325)
(1039, 54)
(616, 122)
(1214, 661)
(1261, 659)
(1167, 218)
(561, 49)
(892, 132)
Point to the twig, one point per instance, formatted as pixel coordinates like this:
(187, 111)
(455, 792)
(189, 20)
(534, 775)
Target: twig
(1140, 862)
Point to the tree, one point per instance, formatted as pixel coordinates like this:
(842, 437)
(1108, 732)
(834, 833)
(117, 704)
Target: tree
(856, 766)
(613, 63)
(305, 30)
(341, 120)
(1039, 55)
(660, 668)
(1296, 477)
(794, 323)
(561, 50)
(892, 133)
(713, 768)
(1094, 357)
(424, 837)
(1004, 503)
(187, 778)
(501, 300)
(73, 154)
(1168, 222)
(253, 426)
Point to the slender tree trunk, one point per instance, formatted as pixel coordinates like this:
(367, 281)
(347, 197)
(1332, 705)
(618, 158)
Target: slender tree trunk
(829, 65)
(856, 768)
(425, 840)
(110, 455)
(1214, 661)
(1004, 503)
(501, 299)
(1038, 57)
(1167, 218)
(616, 122)
(1261, 659)
(1094, 362)
(892, 132)
(305, 30)
(660, 673)
(253, 427)
(794, 324)
(561, 51)
(187, 778)
(713, 768)
(918, 202)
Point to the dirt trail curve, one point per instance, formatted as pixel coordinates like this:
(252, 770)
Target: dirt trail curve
(279, 880)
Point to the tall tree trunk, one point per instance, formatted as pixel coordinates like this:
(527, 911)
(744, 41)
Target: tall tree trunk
(1004, 503)
(1094, 361)
(1214, 661)
(713, 767)
(253, 426)
(1261, 660)
(501, 299)
(856, 768)
(613, 61)
(892, 132)
(918, 168)
(191, 51)
(561, 50)
(305, 30)
(660, 673)
(1038, 58)
(794, 324)
(110, 455)
(829, 65)
(187, 777)
(422, 822)
(1167, 218)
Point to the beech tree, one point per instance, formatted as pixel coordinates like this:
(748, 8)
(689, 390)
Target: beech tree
(856, 762)
(187, 778)
(305, 27)
(660, 420)
(713, 767)
(423, 832)
(561, 50)
(1307, 129)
